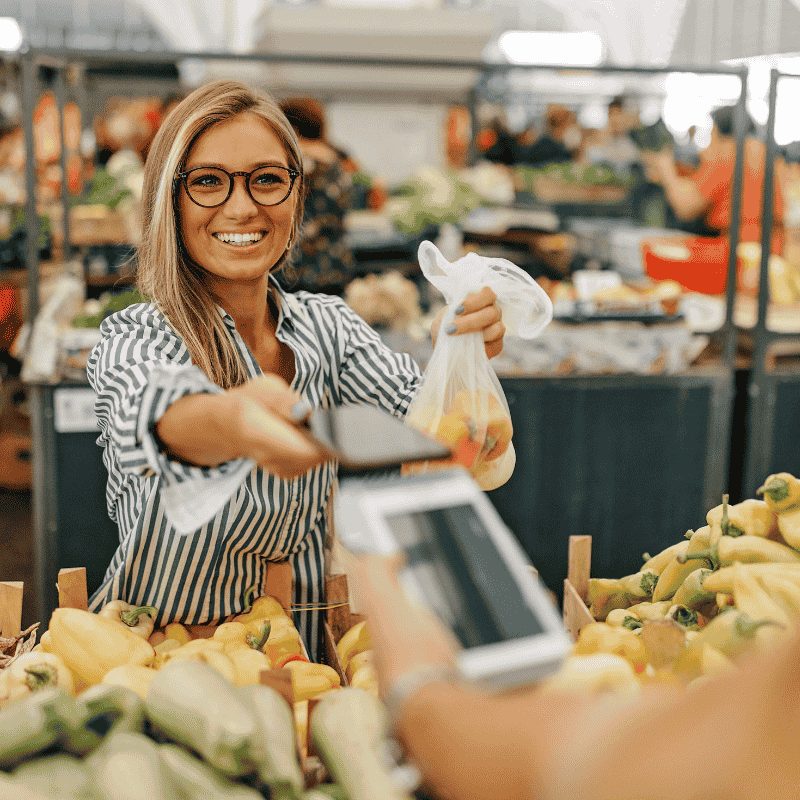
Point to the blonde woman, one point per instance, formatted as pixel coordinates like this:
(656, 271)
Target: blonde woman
(198, 391)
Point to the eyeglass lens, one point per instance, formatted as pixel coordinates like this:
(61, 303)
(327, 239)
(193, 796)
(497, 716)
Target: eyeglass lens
(209, 186)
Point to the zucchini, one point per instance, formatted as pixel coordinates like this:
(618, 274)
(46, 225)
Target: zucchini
(325, 791)
(348, 728)
(192, 704)
(106, 710)
(58, 775)
(127, 767)
(278, 765)
(35, 723)
(12, 790)
(195, 780)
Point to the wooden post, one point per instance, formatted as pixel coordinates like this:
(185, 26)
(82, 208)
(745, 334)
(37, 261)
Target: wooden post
(278, 582)
(336, 593)
(281, 681)
(72, 591)
(579, 564)
(10, 608)
(576, 585)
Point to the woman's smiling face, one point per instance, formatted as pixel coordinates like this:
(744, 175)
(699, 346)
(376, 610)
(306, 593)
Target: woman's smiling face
(240, 143)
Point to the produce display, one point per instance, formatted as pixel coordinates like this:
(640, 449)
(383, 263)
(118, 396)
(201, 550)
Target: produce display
(728, 588)
(106, 706)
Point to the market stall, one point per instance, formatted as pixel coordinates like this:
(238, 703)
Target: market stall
(774, 330)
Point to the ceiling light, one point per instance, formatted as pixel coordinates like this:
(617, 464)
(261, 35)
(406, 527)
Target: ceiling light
(10, 34)
(568, 48)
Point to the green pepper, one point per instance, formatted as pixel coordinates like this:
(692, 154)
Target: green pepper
(197, 781)
(691, 592)
(325, 791)
(194, 705)
(13, 790)
(58, 775)
(685, 617)
(127, 766)
(31, 725)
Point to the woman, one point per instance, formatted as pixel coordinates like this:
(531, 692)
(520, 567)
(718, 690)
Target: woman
(733, 738)
(324, 262)
(197, 391)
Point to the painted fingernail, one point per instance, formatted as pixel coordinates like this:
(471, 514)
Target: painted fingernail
(451, 329)
(300, 410)
(460, 309)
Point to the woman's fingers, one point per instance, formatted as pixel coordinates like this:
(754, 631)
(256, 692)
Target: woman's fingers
(274, 394)
(474, 321)
(477, 300)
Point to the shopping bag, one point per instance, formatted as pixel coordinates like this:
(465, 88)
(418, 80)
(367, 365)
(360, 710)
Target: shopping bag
(460, 401)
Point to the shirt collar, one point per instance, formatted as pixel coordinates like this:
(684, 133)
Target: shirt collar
(285, 304)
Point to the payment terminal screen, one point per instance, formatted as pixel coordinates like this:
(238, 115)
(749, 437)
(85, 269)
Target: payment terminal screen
(463, 578)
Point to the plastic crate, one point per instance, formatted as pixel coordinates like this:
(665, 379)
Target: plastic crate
(699, 264)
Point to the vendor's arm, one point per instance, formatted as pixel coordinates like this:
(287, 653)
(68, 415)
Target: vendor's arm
(142, 373)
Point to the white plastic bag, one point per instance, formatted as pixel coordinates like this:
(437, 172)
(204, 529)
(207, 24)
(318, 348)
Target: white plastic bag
(461, 401)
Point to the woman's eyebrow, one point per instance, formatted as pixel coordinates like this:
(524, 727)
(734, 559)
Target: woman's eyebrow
(211, 164)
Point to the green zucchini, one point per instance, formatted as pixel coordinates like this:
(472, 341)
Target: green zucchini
(325, 791)
(105, 710)
(348, 728)
(13, 790)
(195, 780)
(127, 766)
(59, 775)
(278, 764)
(195, 706)
(31, 725)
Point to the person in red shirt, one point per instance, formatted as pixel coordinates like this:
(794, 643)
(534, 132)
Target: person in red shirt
(706, 193)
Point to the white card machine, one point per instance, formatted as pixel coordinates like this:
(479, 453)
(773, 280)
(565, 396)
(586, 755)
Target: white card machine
(464, 565)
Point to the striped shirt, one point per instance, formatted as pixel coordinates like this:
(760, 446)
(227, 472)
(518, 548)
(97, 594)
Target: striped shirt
(141, 366)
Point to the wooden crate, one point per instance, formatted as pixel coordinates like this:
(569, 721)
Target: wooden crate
(576, 585)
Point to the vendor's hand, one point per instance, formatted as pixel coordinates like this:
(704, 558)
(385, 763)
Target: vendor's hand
(404, 636)
(478, 313)
(265, 418)
(660, 165)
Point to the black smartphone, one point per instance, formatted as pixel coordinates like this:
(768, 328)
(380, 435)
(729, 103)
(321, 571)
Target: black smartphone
(364, 438)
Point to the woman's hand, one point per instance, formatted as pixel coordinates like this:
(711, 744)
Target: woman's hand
(659, 165)
(478, 313)
(265, 417)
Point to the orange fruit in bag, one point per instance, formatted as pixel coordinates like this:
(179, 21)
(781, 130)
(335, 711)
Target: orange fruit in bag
(499, 429)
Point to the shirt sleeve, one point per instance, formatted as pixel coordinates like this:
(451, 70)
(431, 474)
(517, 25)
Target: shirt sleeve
(138, 369)
(369, 371)
(712, 180)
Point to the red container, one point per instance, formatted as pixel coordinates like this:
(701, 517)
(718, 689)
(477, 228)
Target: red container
(698, 263)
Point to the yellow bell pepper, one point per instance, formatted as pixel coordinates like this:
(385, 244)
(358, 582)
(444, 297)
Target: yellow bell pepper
(248, 663)
(745, 549)
(230, 632)
(789, 526)
(33, 671)
(131, 676)
(598, 637)
(91, 645)
(177, 632)
(309, 680)
(355, 640)
(138, 619)
(365, 677)
(781, 491)
(359, 660)
(678, 569)
(595, 672)
(748, 518)
(264, 607)
(208, 651)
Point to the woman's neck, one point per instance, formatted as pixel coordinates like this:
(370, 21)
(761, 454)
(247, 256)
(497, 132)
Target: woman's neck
(246, 302)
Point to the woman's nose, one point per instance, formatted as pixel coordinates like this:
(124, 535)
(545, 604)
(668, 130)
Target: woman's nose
(240, 204)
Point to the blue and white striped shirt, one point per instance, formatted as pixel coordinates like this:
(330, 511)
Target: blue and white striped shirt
(141, 366)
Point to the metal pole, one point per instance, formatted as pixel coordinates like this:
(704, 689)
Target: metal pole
(472, 105)
(59, 86)
(30, 86)
(760, 416)
(729, 344)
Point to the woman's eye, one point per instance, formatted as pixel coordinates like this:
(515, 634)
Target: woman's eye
(206, 180)
(269, 179)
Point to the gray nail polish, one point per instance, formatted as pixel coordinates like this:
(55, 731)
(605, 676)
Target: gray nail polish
(300, 410)
(460, 309)
(451, 329)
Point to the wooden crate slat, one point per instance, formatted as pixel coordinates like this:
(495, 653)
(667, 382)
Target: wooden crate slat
(72, 588)
(579, 564)
(331, 656)
(337, 595)
(11, 607)
(576, 615)
(278, 582)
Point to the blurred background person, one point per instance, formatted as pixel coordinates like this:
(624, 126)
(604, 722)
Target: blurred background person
(706, 193)
(322, 261)
(614, 145)
(559, 141)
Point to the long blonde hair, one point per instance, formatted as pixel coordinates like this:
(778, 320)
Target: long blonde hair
(165, 273)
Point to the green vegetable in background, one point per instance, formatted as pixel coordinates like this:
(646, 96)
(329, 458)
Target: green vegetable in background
(127, 766)
(58, 775)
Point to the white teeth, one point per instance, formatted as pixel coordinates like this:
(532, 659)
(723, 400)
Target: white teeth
(239, 238)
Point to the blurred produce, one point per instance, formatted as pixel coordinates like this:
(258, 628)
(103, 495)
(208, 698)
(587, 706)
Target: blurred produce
(694, 609)
(388, 300)
(569, 182)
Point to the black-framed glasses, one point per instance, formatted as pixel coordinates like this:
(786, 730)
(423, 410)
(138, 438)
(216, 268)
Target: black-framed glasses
(210, 187)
